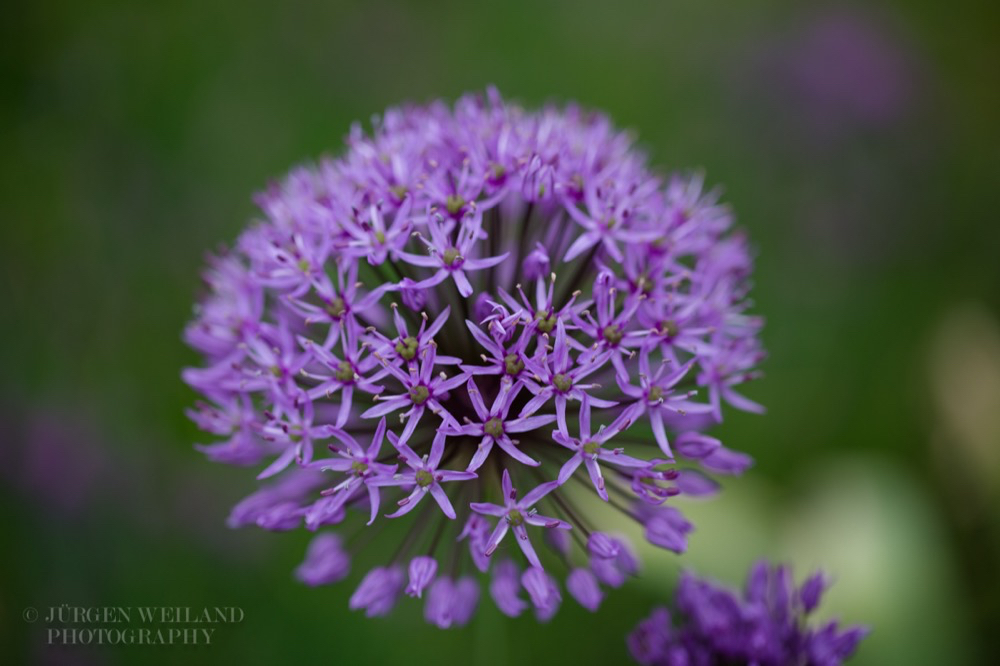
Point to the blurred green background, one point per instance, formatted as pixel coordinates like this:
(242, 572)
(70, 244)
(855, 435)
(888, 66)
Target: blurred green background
(857, 143)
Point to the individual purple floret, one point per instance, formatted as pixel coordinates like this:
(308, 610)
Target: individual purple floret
(494, 426)
(515, 514)
(423, 477)
(510, 297)
(766, 625)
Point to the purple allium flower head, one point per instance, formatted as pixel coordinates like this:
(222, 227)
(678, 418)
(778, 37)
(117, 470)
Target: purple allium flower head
(767, 625)
(510, 298)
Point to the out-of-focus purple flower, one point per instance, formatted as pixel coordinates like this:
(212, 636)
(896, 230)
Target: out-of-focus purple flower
(666, 527)
(504, 589)
(614, 571)
(840, 72)
(378, 591)
(543, 591)
(451, 603)
(767, 625)
(811, 591)
(602, 545)
(458, 280)
(326, 562)
(583, 586)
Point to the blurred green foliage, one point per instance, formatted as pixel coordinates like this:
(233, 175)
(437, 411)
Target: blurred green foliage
(133, 135)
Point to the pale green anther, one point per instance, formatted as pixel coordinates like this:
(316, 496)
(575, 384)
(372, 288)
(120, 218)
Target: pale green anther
(304, 265)
(450, 256)
(424, 478)
(407, 348)
(336, 307)
(513, 364)
(655, 394)
(419, 394)
(345, 372)
(591, 448)
(612, 334)
(546, 321)
(562, 382)
(515, 518)
(493, 427)
(380, 236)
(454, 203)
(359, 468)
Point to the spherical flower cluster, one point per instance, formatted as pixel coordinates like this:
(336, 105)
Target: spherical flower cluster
(474, 319)
(767, 626)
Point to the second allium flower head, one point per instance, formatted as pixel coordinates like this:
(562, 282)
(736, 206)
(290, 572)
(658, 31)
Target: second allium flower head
(503, 310)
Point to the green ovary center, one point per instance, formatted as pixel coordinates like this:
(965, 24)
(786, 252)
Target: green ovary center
(546, 321)
(345, 372)
(591, 448)
(336, 307)
(612, 334)
(424, 478)
(562, 383)
(655, 394)
(407, 348)
(669, 329)
(419, 394)
(450, 256)
(515, 518)
(359, 468)
(513, 364)
(493, 427)
(454, 203)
